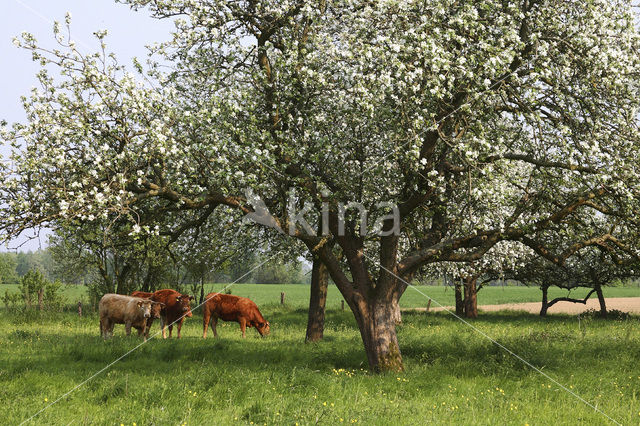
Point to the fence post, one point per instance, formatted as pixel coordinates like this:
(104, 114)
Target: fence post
(342, 303)
(79, 309)
(282, 298)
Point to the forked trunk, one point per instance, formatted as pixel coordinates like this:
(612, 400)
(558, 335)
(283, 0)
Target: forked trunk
(317, 301)
(603, 305)
(376, 321)
(397, 314)
(470, 298)
(373, 303)
(545, 301)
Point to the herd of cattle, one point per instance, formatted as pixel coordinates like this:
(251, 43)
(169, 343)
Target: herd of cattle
(171, 307)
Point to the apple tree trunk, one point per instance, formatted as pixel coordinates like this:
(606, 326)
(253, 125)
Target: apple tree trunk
(470, 298)
(317, 301)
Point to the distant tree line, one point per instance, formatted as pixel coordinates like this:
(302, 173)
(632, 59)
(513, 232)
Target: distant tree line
(67, 263)
(13, 266)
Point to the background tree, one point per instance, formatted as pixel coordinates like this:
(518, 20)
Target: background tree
(593, 267)
(469, 278)
(8, 264)
(28, 261)
(599, 248)
(217, 249)
(73, 263)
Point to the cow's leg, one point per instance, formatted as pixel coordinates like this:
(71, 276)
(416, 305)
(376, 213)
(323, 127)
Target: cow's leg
(214, 323)
(243, 326)
(170, 330)
(142, 331)
(205, 322)
(163, 323)
(180, 326)
(127, 327)
(149, 322)
(108, 328)
(104, 328)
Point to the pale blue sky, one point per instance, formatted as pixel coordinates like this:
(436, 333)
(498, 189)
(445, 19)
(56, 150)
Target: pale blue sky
(129, 32)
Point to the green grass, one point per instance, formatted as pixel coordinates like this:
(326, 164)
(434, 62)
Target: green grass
(298, 295)
(453, 374)
(71, 293)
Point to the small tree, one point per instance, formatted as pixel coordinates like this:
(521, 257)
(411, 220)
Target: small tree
(31, 287)
(35, 288)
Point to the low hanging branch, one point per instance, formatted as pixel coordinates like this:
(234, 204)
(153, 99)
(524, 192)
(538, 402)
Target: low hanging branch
(570, 299)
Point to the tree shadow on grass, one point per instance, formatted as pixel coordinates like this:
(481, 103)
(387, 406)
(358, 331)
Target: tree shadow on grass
(504, 342)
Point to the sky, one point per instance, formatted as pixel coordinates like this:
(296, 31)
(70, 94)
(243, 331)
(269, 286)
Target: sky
(129, 33)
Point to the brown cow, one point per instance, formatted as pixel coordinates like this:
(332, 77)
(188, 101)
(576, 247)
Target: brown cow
(131, 311)
(143, 294)
(232, 308)
(176, 308)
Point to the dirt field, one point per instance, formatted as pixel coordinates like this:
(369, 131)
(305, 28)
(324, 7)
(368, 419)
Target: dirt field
(625, 304)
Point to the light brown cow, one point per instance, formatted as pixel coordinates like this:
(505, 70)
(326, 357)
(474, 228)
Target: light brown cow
(232, 308)
(130, 311)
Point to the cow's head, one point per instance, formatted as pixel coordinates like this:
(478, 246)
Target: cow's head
(184, 304)
(263, 328)
(145, 308)
(156, 309)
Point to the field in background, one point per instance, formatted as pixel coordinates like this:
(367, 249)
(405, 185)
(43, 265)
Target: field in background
(297, 295)
(453, 374)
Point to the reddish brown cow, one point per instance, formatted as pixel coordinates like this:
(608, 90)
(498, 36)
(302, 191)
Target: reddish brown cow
(143, 294)
(232, 308)
(176, 308)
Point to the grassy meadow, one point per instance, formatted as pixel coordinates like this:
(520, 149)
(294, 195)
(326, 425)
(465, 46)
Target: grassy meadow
(453, 374)
(297, 295)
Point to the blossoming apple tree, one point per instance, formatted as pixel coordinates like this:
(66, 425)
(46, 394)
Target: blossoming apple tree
(404, 107)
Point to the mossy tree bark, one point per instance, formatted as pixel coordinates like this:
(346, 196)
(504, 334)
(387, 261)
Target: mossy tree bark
(317, 301)
(470, 297)
(397, 314)
(459, 300)
(376, 321)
